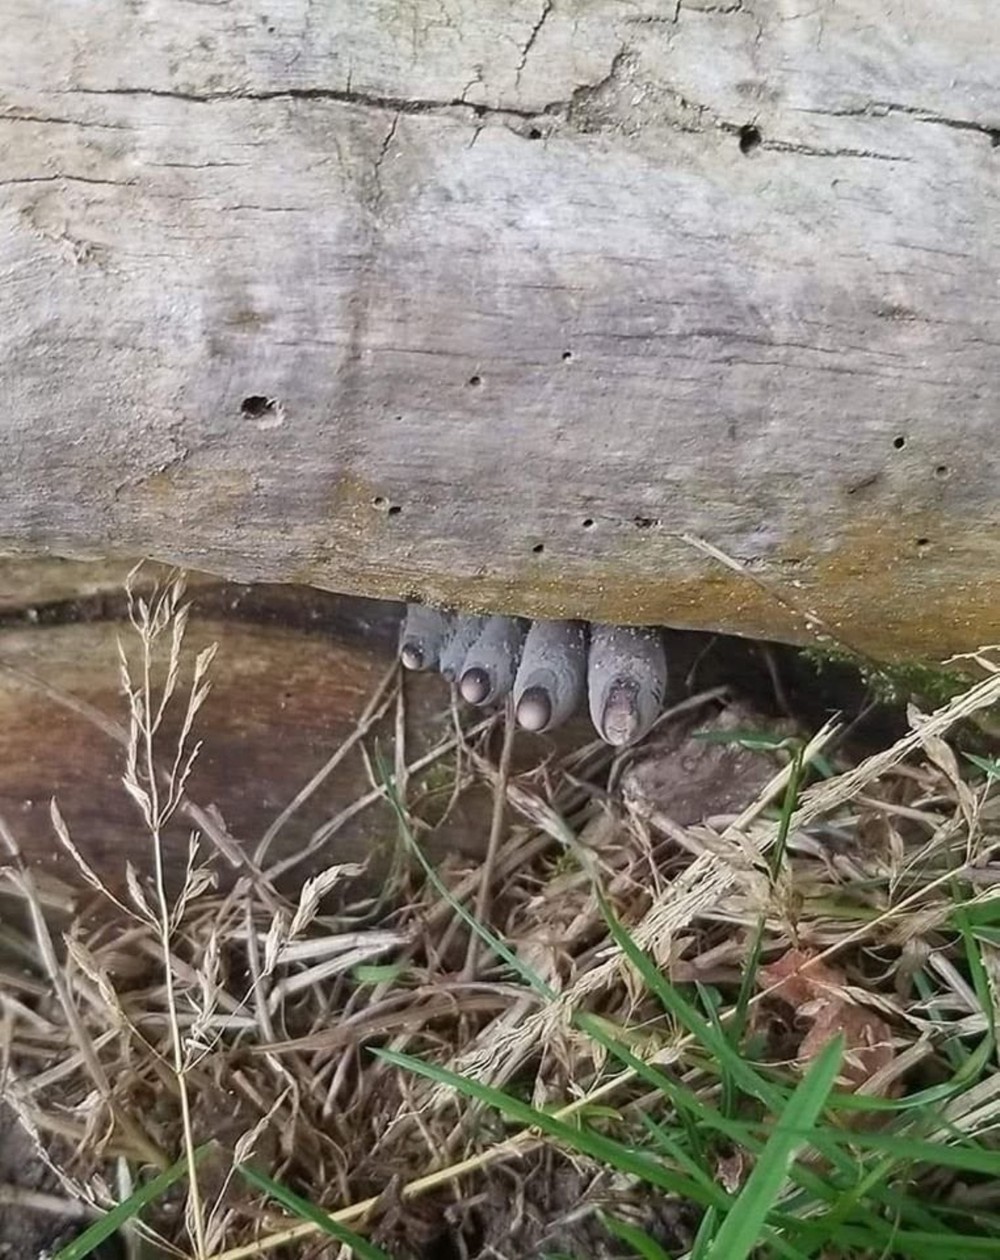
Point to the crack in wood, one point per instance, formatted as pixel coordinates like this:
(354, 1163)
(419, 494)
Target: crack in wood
(377, 168)
(887, 109)
(340, 96)
(809, 150)
(530, 42)
(61, 178)
(390, 104)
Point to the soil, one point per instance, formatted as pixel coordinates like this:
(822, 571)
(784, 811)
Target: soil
(26, 1233)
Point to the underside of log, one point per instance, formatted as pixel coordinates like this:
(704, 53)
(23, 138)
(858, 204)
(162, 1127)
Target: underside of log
(676, 313)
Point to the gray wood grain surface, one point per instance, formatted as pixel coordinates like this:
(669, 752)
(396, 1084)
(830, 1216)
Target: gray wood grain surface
(676, 312)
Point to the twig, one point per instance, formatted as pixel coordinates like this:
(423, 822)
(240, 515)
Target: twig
(374, 710)
(148, 1149)
(496, 830)
(36, 1201)
(202, 818)
(519, 1144)
(156, 812)
(322, 834)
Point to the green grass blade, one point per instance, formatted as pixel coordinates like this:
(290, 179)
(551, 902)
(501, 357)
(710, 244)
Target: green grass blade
(605, 1150)
(685, 1100)
(378, 973)
(989, 765)
(789, 801)
(718, 1046)
(690, 1107)
(744, 1224)
(307, 1211)
(913, 1150)
(977, 969)
(738, 1024)
(674, 1151)
(707, 1230)
(112, 1221)
(637, 1239)
(920, 1245)
(527, 974)
(967, 1072)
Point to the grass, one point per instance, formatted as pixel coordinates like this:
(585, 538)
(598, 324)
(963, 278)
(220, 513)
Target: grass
(767, 1034)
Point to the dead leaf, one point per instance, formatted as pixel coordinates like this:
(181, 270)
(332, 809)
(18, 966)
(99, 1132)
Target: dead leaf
(798, 977)
(816, 991)
(731, 1170)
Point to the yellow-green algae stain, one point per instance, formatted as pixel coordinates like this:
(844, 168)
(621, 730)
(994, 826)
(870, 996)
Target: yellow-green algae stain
(893, 585)
(880, 591)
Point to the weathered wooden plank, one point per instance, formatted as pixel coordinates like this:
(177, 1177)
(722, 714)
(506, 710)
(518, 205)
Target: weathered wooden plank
(506, 304)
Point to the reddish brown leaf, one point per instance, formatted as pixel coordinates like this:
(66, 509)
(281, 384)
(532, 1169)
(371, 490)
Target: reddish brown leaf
(799, 977)
(816, 991)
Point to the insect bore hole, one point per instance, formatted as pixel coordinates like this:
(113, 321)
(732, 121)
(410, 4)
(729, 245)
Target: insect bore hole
(256, 406)
(750, 138)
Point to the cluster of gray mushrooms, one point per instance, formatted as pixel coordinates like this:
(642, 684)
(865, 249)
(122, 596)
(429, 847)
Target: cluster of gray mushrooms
(546, 666)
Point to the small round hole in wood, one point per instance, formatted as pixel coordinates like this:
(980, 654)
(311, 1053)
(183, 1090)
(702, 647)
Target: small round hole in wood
(256, 406)
(750, 138)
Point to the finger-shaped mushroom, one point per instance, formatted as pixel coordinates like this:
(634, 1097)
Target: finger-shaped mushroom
(551, 678)
(491, 664)
(425, 632)
(626, 681)
(464, 632)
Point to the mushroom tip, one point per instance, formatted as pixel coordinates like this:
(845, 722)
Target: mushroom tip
(412, 656)
(534, 710)
(620, 719)
(475, 685)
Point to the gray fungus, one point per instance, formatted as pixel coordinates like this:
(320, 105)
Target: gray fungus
(547, 666)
